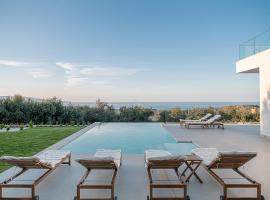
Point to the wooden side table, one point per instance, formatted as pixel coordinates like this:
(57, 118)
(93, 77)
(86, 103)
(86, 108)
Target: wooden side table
(192, 164)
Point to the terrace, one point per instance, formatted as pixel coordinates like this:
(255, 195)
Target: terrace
(132, 180)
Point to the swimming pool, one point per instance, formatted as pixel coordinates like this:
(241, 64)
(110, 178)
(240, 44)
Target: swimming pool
(131, 138)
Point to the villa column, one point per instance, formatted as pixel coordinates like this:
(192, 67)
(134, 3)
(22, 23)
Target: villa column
(265, 99)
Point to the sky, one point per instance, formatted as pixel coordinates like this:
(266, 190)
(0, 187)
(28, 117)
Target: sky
(121, 50)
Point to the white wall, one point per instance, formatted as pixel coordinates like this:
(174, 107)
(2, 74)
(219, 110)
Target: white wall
(265, 99)
(260, 63)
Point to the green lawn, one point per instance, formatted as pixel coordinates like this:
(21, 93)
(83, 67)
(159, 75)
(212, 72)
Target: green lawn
(30, 141)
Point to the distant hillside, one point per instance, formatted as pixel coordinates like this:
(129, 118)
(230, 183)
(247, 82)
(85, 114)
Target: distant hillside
(32, 98)
(64, 102)
(154, 105)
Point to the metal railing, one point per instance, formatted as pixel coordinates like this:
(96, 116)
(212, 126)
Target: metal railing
(255, 45)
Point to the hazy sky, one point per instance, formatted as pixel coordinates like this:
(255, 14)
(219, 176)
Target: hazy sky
(148, 50)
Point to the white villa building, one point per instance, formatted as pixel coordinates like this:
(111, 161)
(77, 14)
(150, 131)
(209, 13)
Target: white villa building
(255, 58)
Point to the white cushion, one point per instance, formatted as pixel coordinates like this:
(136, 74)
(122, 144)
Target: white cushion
(208, 155)
(115, 154)
(14, 158)
(213, 119)
(167, 158)
(153, 153)
(52, 157)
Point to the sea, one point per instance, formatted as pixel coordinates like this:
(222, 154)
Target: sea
(170, 105)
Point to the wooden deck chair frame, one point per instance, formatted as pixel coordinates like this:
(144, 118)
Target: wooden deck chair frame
(26, 165)
(234, 161)
(166, 164)
(202, 119)
(205, 124)
(97, 165)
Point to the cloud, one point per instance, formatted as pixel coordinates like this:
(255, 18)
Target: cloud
(66, 65)
(35, 69)
(95, 70)
(76, 81)
(108, 71)
(13, 63)
(84, 81)
(39, 73)
(100, 83)
(80, 74)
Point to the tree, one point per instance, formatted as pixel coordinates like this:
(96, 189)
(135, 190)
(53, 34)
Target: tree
(176, 114)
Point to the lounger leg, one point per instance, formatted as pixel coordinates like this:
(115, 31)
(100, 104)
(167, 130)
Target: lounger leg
(33, 192)
(112, 192)
(151, 191)
(1, 195)
(112, 183)
(78, 192)
(69, 160)
(185, 191)
(81, 182)
(150, 183)
(225, 192)
(259, 192)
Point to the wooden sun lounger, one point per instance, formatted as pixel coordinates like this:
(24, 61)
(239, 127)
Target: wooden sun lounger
(165, 162)
(103, 160)
(233, 160)
(54, 159)
(207, 124)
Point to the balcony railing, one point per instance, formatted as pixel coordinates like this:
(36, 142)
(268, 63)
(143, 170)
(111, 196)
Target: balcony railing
(255, 45)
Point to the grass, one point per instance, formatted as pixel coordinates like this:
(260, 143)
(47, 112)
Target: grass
(31, 141)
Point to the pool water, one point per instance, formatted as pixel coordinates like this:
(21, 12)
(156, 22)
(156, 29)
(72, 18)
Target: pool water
(131, 138)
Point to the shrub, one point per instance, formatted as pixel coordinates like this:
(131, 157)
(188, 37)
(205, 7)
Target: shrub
(72, 123)
(21, 126)
(2, 126)
(31, 124)
(7, 127)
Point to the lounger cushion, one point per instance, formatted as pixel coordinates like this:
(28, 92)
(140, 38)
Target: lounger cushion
(52, 157)
(197, 120)
(105, 153)
(49, 158)
(167, 158)
(208, 122)
(195, 123)
(108, 158)
(162, 158)
(213, 119)
(153, 153)
(14, 158)
(208, 155)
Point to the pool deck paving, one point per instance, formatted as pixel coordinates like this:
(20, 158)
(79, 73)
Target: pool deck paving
(132, 182)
